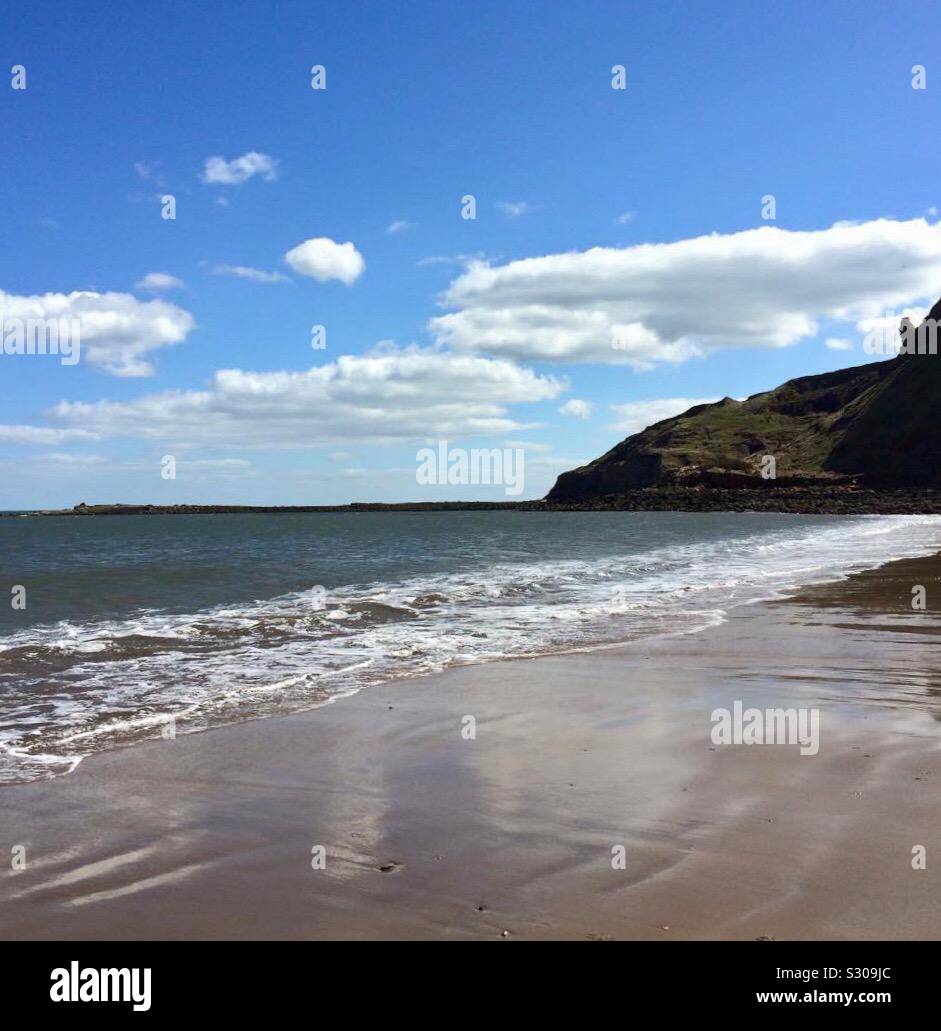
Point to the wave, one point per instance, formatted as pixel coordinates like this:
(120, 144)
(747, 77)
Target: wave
(69, 689)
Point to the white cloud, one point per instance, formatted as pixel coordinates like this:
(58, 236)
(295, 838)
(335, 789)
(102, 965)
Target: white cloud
(888, 320)
(42, 435)
(117, 329)
(513, 209)
(246, 272)
(838, 344)
(322, 259)
(653, 303)
(451, 259)
(638, 415)
(580, 409)
(625, 217)
(146, 169)
(67, 459)
(159, 281)
(386, 395)
(398, 226)
(240, 169)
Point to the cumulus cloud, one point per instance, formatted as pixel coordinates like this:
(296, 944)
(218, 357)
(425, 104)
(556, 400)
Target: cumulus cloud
(638, 415)
(654, 303)
(890, 318)
(155, 281)
(246, 272)
(625, 217)
(117, 329)
(579, 409)
(322, 259)
(386, 395)
(398, 226)
(240, 169)
(838, 344)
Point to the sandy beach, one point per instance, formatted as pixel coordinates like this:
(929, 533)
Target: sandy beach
(428, 834)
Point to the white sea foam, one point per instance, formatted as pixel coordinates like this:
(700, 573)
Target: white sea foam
(72, 688)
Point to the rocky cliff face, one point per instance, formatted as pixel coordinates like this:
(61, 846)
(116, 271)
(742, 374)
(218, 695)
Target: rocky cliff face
(876, 425)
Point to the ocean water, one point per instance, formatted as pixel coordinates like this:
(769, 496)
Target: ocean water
(133, 621)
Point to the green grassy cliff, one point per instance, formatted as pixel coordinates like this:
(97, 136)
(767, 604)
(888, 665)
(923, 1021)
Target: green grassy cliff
(875, 425)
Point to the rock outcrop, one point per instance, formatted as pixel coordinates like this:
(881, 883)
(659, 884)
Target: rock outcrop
(874, 426)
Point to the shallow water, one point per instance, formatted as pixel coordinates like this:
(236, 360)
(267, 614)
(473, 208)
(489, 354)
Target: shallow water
(133, 621)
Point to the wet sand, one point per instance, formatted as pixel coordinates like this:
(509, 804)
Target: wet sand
(429, 834)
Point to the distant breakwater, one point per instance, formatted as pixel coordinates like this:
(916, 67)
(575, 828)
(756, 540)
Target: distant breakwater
(798, 500)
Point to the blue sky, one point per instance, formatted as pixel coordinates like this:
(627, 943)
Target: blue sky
(426, 103)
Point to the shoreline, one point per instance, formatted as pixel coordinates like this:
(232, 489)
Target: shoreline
(210, 835)
(793, 500)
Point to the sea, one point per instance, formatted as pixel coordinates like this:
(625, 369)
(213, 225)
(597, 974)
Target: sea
(123, 628)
